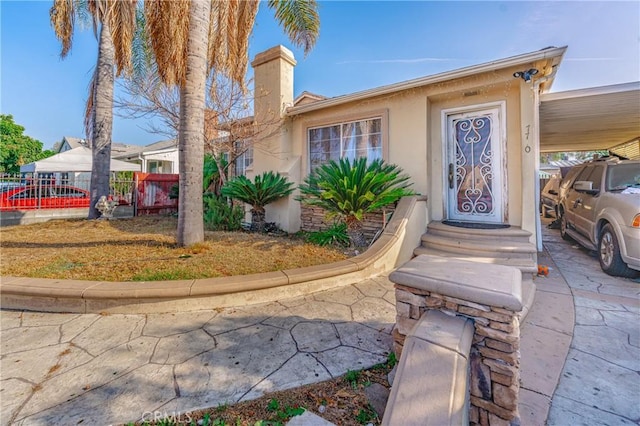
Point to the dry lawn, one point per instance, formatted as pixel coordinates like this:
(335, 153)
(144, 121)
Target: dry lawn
(144, 249)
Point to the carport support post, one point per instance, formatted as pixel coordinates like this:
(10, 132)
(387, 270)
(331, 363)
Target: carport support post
(529, 159)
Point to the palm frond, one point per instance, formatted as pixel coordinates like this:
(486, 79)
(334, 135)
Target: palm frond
(142, 55)
(62, 15)
(299, 19)
(217, 56)
(246, 19)
(89, 108)
(167, 25)
(349, 190)
(123, 24)
(265, 189)
(231, 34)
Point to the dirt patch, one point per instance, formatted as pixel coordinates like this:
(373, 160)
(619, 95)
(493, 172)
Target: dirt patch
(144, 249)
(342, 401)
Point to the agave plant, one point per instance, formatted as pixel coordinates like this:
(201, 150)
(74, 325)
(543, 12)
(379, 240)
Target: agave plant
(265, 189)
(348, 191)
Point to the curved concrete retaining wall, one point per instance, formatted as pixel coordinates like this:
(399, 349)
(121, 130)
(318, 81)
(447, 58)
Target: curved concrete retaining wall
(394, 247)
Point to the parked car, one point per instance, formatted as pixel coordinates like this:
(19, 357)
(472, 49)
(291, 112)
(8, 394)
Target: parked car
(43, 197)
(8, 186)
(549, 197)
(599, 207)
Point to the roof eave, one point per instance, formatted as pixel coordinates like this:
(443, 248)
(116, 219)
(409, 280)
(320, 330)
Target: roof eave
(549, 53)
(592, 91)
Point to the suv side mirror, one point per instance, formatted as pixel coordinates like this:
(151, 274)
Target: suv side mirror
(585, 186)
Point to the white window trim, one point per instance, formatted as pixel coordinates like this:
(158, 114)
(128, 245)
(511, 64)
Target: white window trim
(382, 114)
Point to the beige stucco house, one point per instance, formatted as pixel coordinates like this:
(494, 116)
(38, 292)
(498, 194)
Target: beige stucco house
(469, 138)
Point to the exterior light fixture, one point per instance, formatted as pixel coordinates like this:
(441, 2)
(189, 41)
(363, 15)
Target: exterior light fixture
(526, 75)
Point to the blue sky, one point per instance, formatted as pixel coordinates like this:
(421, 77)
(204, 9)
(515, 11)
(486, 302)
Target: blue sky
(362, 44)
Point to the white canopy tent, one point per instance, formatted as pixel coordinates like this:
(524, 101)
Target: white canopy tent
(75, 160)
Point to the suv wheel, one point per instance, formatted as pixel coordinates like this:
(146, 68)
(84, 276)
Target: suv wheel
(609, 254)
(563, 228)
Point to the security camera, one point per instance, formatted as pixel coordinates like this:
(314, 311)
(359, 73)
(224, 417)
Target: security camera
(526, 75)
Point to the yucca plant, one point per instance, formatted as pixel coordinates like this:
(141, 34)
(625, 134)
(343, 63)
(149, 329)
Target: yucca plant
(348, 191)
(265, 189)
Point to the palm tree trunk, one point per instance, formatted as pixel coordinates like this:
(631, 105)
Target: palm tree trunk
(102, 120)
(258, 221)
(191, 135)
(356, 236)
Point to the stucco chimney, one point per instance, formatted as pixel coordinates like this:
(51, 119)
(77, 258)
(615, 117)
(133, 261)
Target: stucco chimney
(273, 150)
(273, 80)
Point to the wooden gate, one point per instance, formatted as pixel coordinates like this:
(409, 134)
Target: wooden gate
(152, 193)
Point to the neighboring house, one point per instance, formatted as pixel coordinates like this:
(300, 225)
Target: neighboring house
(158, 157)
(82, 178)
(117, 149)
(69, 143)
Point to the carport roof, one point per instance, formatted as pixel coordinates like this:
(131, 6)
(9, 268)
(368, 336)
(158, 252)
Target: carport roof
(590, 119)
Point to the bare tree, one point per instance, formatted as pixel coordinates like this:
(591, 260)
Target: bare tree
(229, 130)
(147, 97)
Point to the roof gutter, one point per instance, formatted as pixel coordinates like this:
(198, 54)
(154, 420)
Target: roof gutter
(593, 91)
(423, 81)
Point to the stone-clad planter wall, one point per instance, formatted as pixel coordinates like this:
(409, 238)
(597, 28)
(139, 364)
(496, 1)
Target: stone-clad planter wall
(314, 219)
(494, 356)
(495, 359)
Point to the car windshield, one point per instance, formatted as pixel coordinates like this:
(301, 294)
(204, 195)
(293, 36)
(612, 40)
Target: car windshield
(623, 176)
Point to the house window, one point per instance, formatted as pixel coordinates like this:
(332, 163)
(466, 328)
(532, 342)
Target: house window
(244, 161)
(352, 140)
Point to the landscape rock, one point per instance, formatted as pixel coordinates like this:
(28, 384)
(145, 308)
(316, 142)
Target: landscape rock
(377, 396)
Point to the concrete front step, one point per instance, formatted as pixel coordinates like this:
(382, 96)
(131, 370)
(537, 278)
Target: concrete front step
(455, 232)
(526, 265)
(489, 247)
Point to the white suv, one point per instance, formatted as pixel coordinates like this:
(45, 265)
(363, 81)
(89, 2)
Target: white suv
(599, 207)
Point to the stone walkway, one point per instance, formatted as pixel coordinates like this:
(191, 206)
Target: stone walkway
(63, 369)
(600, 383)
(102, 369)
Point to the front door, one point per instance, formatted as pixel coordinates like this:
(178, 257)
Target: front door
(475, 170)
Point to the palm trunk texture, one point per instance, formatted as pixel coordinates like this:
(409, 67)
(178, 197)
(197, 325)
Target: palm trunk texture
(191, 137)
(102, 121)
(356, 236)
(258, 221)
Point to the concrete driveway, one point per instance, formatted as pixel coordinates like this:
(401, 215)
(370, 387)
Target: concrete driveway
(600, 383)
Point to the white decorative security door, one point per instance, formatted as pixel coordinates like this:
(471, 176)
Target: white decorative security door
(475, 169)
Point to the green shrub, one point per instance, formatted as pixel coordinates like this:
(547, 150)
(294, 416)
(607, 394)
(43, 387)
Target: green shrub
(335, 235)
(352, 377)
(220, 215)
(174, 192)
(366, 415)
(349, 190)
(211, 176)
(265, 189)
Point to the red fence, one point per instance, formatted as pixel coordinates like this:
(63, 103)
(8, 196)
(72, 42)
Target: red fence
(152, 193)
